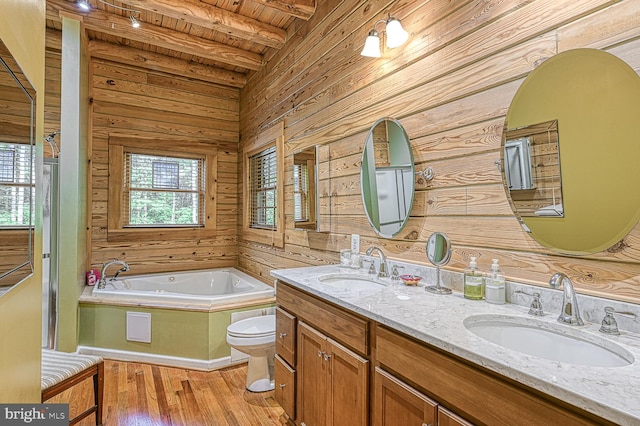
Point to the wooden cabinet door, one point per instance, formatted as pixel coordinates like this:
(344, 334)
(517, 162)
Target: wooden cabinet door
(398, 404)
(285, 387)
(348, 389)
(447, 418)
(286, 336)
(312, 373)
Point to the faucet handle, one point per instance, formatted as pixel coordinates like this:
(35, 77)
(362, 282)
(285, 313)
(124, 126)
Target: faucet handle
(536, 305)
(395, 275)
(372, 266)
(609, 323)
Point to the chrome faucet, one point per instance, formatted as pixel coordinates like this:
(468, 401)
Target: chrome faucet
(570, 314)
(103, 278)
(382, 273)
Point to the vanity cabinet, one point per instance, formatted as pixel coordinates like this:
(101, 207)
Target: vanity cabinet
(330, 362)
(472, 392)
(325, 349)
(332, 381)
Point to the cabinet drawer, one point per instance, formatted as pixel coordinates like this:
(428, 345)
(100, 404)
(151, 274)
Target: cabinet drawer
(286, 336)
(346, 328)
(447, 418)
(456, 384)
(285, 387)
(398, 404)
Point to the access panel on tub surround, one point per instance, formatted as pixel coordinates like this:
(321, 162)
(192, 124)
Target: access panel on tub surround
(450, 86)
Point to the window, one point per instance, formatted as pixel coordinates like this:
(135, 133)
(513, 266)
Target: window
(161, 190)
(301, 192)
(16, 189)
(263, 216)
(263, 186)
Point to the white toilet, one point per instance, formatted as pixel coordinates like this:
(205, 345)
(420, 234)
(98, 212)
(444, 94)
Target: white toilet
(256, 336)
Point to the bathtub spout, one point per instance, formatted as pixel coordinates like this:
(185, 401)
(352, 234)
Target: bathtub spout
(103, 274)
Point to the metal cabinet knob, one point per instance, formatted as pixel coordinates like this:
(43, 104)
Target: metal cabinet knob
(327, 356)
(282, 385)
(282, 335)
(320, 353)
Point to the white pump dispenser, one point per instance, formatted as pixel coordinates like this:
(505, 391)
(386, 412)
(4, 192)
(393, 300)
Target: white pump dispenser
(495, 285)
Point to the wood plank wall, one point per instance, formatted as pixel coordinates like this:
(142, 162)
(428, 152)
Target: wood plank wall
(450, 86)
(135, 102)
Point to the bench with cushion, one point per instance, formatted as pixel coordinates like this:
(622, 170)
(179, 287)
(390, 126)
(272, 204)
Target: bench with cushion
(61, 371)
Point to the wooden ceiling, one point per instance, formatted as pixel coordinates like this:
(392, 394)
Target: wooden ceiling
(221, 41)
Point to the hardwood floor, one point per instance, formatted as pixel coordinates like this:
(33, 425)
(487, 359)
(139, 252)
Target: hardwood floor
(149, 395)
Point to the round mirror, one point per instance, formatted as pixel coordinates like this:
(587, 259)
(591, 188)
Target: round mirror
(438, 249)
(584, 105)
(439, 254)
(387, 177)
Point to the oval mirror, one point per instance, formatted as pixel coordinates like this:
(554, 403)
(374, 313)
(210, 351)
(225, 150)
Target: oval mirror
(387, 177)
(592, 98)
(17, 119)
(439, 254)
(438, 249)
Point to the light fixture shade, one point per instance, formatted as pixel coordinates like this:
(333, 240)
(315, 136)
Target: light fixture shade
(134, 22)
(372, 45)
(84, 5)
(396, 35)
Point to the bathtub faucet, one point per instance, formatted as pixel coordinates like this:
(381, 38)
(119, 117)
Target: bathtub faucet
(103, 276)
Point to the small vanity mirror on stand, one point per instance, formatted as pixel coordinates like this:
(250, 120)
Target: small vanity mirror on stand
(439, 254)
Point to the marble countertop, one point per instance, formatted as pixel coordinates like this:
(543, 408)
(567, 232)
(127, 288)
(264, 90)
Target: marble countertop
(610, 392)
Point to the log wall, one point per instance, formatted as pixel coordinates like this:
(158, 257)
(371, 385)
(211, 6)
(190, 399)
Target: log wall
(134, 102)
(450, 86)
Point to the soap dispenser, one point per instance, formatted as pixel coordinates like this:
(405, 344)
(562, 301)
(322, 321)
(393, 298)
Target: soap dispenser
(495, 285)
(473, 281)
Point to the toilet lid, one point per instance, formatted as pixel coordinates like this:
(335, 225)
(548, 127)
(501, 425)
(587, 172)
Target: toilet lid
(253, 327)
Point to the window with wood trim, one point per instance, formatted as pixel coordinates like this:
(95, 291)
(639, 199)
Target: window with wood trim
(263, 216)
(263, 186)
(301, 211)
(16, 187)
(161, 189)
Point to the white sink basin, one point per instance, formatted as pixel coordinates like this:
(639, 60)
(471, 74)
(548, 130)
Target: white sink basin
(551, 341)
(353, 282)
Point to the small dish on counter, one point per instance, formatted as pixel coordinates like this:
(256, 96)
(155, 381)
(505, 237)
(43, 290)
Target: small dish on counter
(409, 279)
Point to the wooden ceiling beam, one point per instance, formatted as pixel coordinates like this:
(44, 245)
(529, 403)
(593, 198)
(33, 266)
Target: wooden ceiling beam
(215, 18)
(158, 62)
(119, 26)
(153, 61)
(303, 9)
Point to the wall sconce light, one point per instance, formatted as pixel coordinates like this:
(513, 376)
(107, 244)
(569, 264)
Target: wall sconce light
(84, 5)
(396, 37)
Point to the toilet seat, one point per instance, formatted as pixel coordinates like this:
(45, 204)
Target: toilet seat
(254, 327)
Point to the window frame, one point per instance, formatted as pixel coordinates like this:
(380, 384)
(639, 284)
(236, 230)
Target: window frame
(308, 197)
(118, 147)
(275, 236)
(12, 183)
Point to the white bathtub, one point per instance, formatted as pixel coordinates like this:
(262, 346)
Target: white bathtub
(203, 287)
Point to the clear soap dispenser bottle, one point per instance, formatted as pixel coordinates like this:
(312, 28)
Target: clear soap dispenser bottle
(495, 286)
(473, 281)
